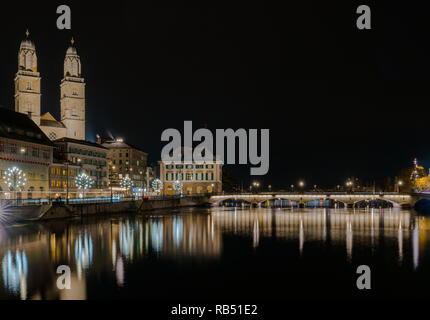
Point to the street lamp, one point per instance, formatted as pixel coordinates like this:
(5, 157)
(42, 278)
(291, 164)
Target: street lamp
(399, 184)
(256, 184)
(292, 188)
(349, 183)
(301, 184)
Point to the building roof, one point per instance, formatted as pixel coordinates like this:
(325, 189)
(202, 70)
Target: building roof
(83, 142)
(119, 144)
(18, 126)
(47, 120)
(182, 150)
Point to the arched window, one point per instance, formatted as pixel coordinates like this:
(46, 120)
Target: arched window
(68, 67)
(28, 61)
(75, 68)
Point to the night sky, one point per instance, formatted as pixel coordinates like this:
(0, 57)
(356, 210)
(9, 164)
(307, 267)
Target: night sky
(339, 102)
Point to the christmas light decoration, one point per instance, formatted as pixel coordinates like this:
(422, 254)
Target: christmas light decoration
(157, 185)
(126, 182)
(83, 181)
(15, 179)
(177, 186)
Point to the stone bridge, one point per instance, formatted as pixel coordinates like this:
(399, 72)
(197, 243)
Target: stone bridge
(349, 199)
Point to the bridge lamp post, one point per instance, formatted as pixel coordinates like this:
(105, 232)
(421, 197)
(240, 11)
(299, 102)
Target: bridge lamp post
(256, 184)
(292, 188)
(301, 184)
(349, 184)
(399, 184)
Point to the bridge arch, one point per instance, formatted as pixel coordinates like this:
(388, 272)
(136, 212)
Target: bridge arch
(380, 200)
(218, 203)
(281, 200)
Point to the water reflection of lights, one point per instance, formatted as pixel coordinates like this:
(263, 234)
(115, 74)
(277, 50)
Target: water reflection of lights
(178, 230)
(119, 272)
(15, 271)
(83, 253)
(157, 235)
(311, 225)
(126, 240)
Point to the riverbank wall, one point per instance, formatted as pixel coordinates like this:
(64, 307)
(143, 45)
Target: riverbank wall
(59, 211)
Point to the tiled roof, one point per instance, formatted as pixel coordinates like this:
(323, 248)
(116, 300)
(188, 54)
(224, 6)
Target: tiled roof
(83, 142)
(18, 126)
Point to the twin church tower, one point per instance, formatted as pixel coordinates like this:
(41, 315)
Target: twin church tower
(72, 90)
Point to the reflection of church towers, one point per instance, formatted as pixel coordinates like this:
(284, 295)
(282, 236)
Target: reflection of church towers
(73, 95)
(27, 81)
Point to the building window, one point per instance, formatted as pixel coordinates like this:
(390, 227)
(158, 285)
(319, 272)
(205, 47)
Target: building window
(75, 92)
(28, 85)
(52, 135)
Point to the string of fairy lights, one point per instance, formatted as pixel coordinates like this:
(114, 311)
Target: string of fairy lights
(157, 185)
(177, 186)
(126, 183)
(15, 179)
(83, 181)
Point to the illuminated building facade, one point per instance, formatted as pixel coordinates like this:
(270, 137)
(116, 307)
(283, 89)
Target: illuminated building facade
(90, 158)
(194, 177)
(126, 160)
(24, 145)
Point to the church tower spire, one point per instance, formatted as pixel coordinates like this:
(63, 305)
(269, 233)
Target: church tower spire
(27, 81)
(72, 99)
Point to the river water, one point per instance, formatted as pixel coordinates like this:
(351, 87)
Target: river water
(220, 253)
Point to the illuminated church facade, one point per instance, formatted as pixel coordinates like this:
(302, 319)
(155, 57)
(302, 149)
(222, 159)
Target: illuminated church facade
(72, 93)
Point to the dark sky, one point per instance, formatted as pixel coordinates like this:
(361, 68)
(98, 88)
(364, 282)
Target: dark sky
(339, 102)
